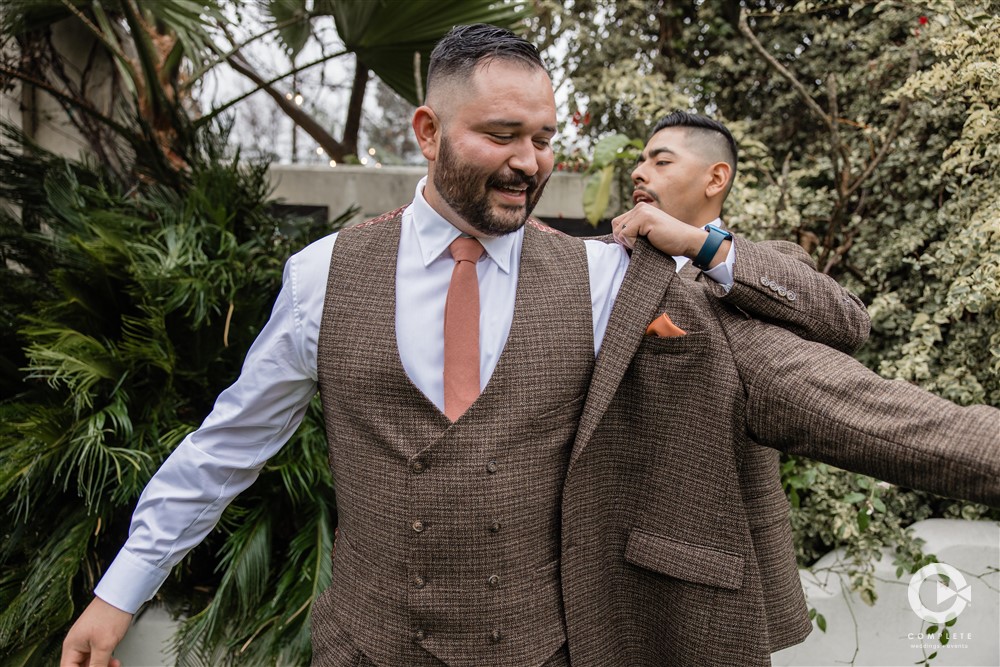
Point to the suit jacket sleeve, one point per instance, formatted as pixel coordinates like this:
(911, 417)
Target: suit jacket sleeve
(776, 281)
(808, 399)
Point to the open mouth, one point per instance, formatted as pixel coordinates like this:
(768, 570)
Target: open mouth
(642, 196)
(517, 193)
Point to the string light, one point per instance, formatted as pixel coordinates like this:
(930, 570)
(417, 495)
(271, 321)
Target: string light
(364, 160)
(299, 99)
(319, 150)
(378, 165)
(333, 163)
(371, 151)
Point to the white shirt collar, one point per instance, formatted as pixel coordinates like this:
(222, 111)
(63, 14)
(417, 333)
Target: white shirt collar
(435, 234)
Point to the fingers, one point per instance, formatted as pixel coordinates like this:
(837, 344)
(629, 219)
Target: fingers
(94, 636)
(72, 657)
(87, 656)
(624, 230)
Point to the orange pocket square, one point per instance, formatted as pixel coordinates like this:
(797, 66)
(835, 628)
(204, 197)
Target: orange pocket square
(664, 328)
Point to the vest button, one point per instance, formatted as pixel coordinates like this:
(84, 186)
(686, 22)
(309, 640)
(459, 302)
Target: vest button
(496, 636)
(417, 467)
(495, 527)
(493, 581)
(418, 526)
(419, 582)
(491, 467)
(420, 635)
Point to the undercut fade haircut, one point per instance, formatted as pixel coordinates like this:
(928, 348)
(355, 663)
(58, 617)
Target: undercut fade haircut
(466, 46)
(709, 129)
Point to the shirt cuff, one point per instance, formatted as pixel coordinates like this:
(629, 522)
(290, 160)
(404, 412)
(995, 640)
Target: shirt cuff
(129, 582)
(722, 273)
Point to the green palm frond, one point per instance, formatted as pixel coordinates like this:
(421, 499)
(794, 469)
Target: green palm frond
(387, 36)
(44, 603)
(136, 290)
(69, 359)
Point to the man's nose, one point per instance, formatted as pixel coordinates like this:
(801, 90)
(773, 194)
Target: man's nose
(524, 159)
(637, 176)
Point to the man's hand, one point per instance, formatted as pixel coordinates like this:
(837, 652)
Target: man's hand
(94, 636)
(668, 234)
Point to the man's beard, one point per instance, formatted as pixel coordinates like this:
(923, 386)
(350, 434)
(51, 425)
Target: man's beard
(466, 190)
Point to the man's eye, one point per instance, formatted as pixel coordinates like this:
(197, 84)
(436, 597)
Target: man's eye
(542, 143)
(502, 137)
(662, 163)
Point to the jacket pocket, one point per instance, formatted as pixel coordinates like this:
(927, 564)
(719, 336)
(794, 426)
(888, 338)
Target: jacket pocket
(681, 560)
(695, 341)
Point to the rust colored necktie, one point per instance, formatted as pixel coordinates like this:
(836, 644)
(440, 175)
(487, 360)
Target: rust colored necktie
(461, 329)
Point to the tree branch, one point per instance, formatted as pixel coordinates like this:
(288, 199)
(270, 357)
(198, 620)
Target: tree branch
(897, 124)
(353, 122)
(335, 149)
(236, 100)
(783, 71)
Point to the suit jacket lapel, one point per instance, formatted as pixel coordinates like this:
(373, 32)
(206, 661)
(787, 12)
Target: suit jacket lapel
(645, 282)
(688, 272)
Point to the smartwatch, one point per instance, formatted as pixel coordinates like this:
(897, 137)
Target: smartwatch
(715, 238)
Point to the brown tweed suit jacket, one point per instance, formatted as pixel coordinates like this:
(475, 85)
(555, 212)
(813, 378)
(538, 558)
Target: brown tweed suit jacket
(828, 315)
(662, 562)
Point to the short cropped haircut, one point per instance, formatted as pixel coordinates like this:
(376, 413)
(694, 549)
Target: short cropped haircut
(466, 46)
(703, 124)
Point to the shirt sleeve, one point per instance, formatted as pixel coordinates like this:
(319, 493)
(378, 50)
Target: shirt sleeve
(250, 422)
(722, 273)
(606, 263)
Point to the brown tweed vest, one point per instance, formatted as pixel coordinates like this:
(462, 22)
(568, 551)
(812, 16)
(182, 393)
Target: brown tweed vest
(449, 532)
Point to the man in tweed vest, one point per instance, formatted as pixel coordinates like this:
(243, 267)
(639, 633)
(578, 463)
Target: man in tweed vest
(586, 506)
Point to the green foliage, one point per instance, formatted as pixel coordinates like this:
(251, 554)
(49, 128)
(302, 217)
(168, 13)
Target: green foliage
(146, 299)
(612, 155)
(879, 151)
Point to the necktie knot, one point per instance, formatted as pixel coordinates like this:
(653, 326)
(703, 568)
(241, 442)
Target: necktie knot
(466, 249)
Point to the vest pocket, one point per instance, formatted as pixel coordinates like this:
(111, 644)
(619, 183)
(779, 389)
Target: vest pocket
(682, 560)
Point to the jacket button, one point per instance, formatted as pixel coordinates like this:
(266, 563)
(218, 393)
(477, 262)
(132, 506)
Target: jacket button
(495, 527)
(420, 635)
(491, 466)
(791, 295)
(496, 636)
(417, 467)
(493, 581)
(765, 281)
(419, 582)
(418, 526)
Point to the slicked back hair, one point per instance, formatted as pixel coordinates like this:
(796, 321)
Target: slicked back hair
(466, 46)
(697, 123)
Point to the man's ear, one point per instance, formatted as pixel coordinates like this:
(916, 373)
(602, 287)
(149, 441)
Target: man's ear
(427, 129)
(718, 179)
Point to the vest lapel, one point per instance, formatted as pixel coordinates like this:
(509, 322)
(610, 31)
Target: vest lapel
(646, 281)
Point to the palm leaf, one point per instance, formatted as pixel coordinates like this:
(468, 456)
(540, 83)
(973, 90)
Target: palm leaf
(388, 36)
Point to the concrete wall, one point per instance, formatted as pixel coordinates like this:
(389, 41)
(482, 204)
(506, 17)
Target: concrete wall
(40, 115)
(381, 190)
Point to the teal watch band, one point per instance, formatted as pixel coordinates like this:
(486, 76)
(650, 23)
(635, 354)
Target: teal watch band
(715, 238)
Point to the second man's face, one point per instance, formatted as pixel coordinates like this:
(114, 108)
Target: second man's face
(495, 152)
(672, 176)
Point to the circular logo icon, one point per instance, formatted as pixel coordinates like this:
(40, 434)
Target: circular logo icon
(955, 590)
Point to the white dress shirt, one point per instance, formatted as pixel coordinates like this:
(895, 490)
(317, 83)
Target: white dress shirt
(257, 415)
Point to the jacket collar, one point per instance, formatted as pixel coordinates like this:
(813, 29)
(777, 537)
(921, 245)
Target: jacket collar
(645, 282)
